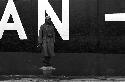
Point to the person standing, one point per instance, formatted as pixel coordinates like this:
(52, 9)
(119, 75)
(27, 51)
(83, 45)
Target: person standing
(46, 40)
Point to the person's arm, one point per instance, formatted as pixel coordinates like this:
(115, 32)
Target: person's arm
(40, 38)
(53, 34)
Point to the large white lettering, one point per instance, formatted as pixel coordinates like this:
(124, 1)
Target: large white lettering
(43, 5)
(17, 25)
(62, 28)
(115, 17)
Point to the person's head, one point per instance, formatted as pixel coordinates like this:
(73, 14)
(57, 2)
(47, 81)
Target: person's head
(48, 20)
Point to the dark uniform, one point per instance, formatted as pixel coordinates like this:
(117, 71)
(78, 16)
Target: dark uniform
(46, 39)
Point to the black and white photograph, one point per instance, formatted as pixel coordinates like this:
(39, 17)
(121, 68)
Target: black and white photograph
(62, 40)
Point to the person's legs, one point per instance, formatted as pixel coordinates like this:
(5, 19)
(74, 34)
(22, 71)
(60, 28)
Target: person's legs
(46, 58)
(46, 61)
(51, 49)
(48, 53)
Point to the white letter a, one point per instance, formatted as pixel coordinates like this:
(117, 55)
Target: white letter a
(17, 25)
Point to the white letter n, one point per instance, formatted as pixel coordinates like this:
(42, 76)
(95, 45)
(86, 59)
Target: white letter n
(62, 28)
(17, 25)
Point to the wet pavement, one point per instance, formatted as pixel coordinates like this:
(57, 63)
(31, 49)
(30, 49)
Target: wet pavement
(31, 78)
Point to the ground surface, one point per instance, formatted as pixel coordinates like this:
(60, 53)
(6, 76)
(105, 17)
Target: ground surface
(68, 64)
(38, 79)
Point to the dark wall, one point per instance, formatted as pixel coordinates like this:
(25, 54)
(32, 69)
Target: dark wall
(68, 64)
(88, 33)
(87, 27)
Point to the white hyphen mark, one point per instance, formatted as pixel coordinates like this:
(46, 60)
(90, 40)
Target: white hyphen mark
(115, 17)
(62, 28)
(17, 25)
